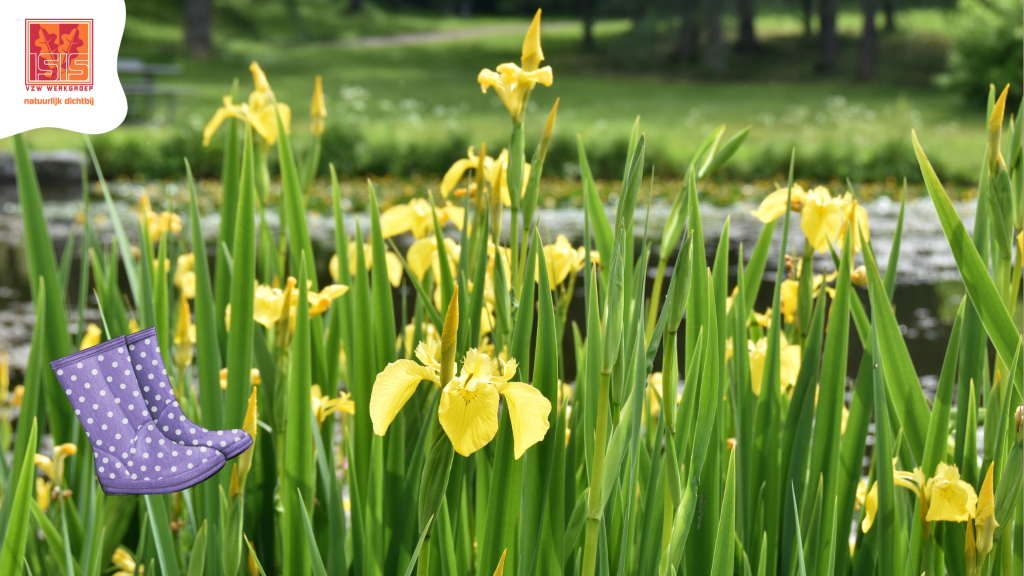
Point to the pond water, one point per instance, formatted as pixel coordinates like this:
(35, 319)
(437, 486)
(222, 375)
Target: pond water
(926, 298)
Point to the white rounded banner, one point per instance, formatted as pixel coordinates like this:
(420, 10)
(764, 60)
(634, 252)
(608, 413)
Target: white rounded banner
(59, 68)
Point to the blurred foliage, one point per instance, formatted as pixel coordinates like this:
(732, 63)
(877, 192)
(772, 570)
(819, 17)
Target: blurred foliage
(987, 39)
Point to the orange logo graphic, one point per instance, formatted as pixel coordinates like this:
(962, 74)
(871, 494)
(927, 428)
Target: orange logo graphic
(58, 51)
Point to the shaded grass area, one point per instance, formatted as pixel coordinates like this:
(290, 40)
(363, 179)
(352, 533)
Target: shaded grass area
(413, 109)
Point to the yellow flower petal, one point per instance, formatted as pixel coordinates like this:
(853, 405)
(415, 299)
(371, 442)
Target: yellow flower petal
(317, 108)
(43, 490)
(853, 211)
(986, 517)
(396, 220)
(528, 410)
(469, 417)
(421, 255)
(757, 352)
(184, 334)
(249, 425)
(821, 219)
(46, 465)
(500, 570)
(774, 204)
(395, 268)
(532, 53)
(562, 259)
(870, 508)
(986, 499)
(91, 337)
(229, 110)
(392, 389)
(950, 499)
(267, 305)
(789, 296)
(455, 173)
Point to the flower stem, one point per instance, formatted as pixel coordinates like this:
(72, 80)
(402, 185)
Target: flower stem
(594, 499)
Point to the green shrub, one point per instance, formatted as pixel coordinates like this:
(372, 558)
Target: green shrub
(986, 49)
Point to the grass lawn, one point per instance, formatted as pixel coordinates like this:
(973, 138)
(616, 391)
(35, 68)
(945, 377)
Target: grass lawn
(397, 95)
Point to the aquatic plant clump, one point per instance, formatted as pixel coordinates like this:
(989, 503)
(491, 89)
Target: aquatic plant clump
(415, 413)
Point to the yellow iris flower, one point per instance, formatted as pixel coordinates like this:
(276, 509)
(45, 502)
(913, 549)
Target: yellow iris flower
(157, 223)
(92, 336)
(562, 259)
(514, 84)
(417, 217)
(859, 276)
(821, 219)
(500, 570)
(324, 406)
(5, 376)
(985, 517)
(853, 212)
(824, 219)
(125, 564)
(950, 499)
(870, 503)
(789, 368)
(17, 394)
(318, 108)
(254, 377)
(469, 406)
(423, 255)
(44, 491)
(468, 411)
(184, 334)
(393, 263)
(427, 332)
(495, 174)
(185, 276)
(261, 111)
(774, 204)
(789, 293)
(54, 468)
(269, 302)
(241, 470)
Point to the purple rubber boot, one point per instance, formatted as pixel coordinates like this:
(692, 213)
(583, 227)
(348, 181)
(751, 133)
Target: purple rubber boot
(163, 405)
(132, 456)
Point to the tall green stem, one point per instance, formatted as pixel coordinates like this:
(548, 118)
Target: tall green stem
(594, 498)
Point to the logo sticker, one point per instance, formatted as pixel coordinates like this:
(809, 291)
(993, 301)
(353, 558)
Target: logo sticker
(59, 52)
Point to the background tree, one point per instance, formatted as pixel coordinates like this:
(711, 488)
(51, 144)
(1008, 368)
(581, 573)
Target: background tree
(808, 12)
(827, 35)
(689, 32)
(747, 41)
(588, 8)
(714, 50)
(355, 6)
(868, 61)
(889, 7)
(197, 27)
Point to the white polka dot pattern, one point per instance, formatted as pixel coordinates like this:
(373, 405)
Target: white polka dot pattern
(123, 436)
(163, 405)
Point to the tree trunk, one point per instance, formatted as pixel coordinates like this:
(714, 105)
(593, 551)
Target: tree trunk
(689, 33)
(588, 23)
(355, 6)
(828, 39)
(296, 18)
(808, 6)
(889, 6)
(868, 63)
(747, 41)
(714, 51)
(197, 27)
